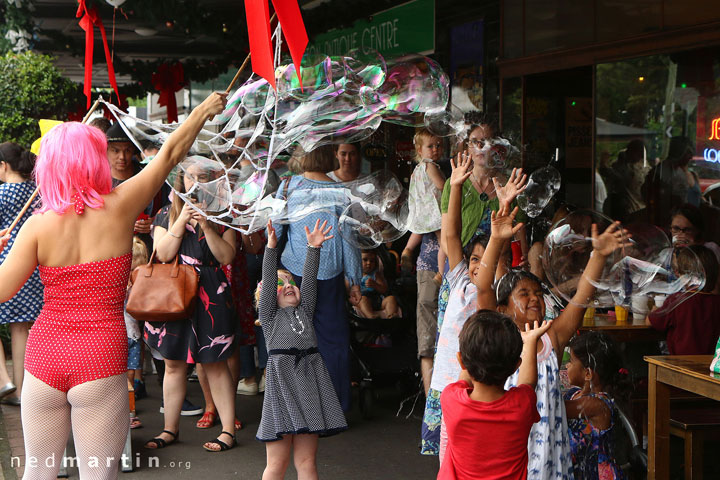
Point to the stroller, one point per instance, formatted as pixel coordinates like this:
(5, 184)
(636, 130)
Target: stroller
(385, 350)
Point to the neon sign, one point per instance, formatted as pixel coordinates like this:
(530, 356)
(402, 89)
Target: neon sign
(715, 130)
(712, 155)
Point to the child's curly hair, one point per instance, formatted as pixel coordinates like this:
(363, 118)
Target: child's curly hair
(139, 253)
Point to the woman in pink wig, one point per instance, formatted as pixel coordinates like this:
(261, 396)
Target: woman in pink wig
(80, 239)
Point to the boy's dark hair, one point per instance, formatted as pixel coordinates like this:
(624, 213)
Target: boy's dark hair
(480, 239)
(599, 352)
(509, 281)
(490, 347)
(686, 264)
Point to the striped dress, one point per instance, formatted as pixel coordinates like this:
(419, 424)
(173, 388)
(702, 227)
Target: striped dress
(299, 394)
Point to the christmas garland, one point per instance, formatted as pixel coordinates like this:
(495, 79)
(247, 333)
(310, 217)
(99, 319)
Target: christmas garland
(18, 30)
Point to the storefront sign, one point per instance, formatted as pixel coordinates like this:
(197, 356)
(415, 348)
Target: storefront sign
(711, 155)
(715, 130)
(407, 28)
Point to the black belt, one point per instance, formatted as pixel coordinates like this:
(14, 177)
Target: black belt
(298, 353)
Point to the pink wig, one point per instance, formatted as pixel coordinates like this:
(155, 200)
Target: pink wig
(72, 159)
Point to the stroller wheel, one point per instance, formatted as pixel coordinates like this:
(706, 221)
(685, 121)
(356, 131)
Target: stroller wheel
(366, 402)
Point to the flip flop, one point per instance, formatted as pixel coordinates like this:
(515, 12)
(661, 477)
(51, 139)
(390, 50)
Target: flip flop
(160, 442)
(223, 446)
(207, 420)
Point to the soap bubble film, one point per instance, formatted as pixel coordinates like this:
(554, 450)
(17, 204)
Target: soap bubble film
(238, 161)
(542, 185)
(647, 269)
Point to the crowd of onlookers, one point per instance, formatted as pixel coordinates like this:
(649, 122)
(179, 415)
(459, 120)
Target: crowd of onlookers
(469, 298)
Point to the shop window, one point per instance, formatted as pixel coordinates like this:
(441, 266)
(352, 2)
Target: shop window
(512, 109)
(512, 28)
(657, 133)
(620, 19)
(556, 24)
(684, 13)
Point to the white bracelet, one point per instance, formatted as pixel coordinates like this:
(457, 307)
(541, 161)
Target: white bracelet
(174, 234)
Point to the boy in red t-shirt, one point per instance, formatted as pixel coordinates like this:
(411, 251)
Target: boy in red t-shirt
(488, 427)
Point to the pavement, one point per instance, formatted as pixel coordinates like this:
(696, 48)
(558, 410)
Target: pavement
(384, 447)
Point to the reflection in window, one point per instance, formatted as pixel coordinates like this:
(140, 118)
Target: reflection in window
(657, 140)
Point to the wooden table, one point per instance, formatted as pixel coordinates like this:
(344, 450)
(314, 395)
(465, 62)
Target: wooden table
(686, 372)
(622, 332)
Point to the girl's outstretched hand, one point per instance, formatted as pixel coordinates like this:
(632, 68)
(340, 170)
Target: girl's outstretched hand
(532, 334)
(501, 222)
(514, 186)
(461, 168)
(271, 235)
(611, 239)
(319, 235)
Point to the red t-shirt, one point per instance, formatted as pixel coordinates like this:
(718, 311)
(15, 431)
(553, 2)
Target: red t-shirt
(693, 327)
(487, 440)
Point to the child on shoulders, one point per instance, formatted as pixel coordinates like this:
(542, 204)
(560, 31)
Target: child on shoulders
(477, 407)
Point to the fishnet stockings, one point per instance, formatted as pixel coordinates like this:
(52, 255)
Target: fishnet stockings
(98, 414)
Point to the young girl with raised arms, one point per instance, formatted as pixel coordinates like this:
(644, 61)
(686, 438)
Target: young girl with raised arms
(598, 378)
(462, 301)
(519, 295)
(300, 402)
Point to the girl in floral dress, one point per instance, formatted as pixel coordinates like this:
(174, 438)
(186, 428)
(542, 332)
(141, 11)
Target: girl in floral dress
(595, 371)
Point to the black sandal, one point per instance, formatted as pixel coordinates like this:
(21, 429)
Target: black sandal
(160, 442)
(223, 446)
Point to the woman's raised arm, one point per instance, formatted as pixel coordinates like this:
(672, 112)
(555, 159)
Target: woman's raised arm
(137, 192)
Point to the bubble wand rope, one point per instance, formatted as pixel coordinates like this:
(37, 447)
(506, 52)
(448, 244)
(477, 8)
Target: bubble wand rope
(244, 64)
(35, 193)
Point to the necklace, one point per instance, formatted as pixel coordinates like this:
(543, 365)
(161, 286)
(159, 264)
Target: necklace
(300, 322)
(483, 195)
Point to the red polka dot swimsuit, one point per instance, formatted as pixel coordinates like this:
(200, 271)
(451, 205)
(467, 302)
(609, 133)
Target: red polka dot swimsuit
(80, 333)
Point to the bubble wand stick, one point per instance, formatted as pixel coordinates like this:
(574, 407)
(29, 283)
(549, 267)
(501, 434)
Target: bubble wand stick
(35, 193)
(244, 64)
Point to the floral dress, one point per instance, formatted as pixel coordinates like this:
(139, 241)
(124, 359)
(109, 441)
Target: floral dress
(209, 335)
(592, 448)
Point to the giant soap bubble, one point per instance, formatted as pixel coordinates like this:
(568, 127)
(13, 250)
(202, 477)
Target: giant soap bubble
(542, 185)
(648, 269)
(233, 172)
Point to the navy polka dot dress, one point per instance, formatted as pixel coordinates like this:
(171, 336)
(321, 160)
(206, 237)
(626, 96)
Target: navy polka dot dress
(25, 306)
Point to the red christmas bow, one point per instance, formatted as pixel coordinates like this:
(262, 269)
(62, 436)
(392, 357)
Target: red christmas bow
(90, 19)
(168, 80)
(261, 48)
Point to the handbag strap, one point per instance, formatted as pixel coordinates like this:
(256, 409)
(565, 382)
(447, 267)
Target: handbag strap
(174, 271)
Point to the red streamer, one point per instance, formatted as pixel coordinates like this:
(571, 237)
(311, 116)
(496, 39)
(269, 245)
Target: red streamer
(168, 80)
(90, 19)
(261, 48)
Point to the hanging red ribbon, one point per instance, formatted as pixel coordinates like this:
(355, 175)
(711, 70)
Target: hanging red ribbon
(261, 48)
(90, 19)
(168, 80)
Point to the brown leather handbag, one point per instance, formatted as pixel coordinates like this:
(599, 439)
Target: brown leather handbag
(163, 292)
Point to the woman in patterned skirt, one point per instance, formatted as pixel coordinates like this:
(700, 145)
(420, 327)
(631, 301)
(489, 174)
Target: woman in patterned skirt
(16, 166)
(208, 337)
